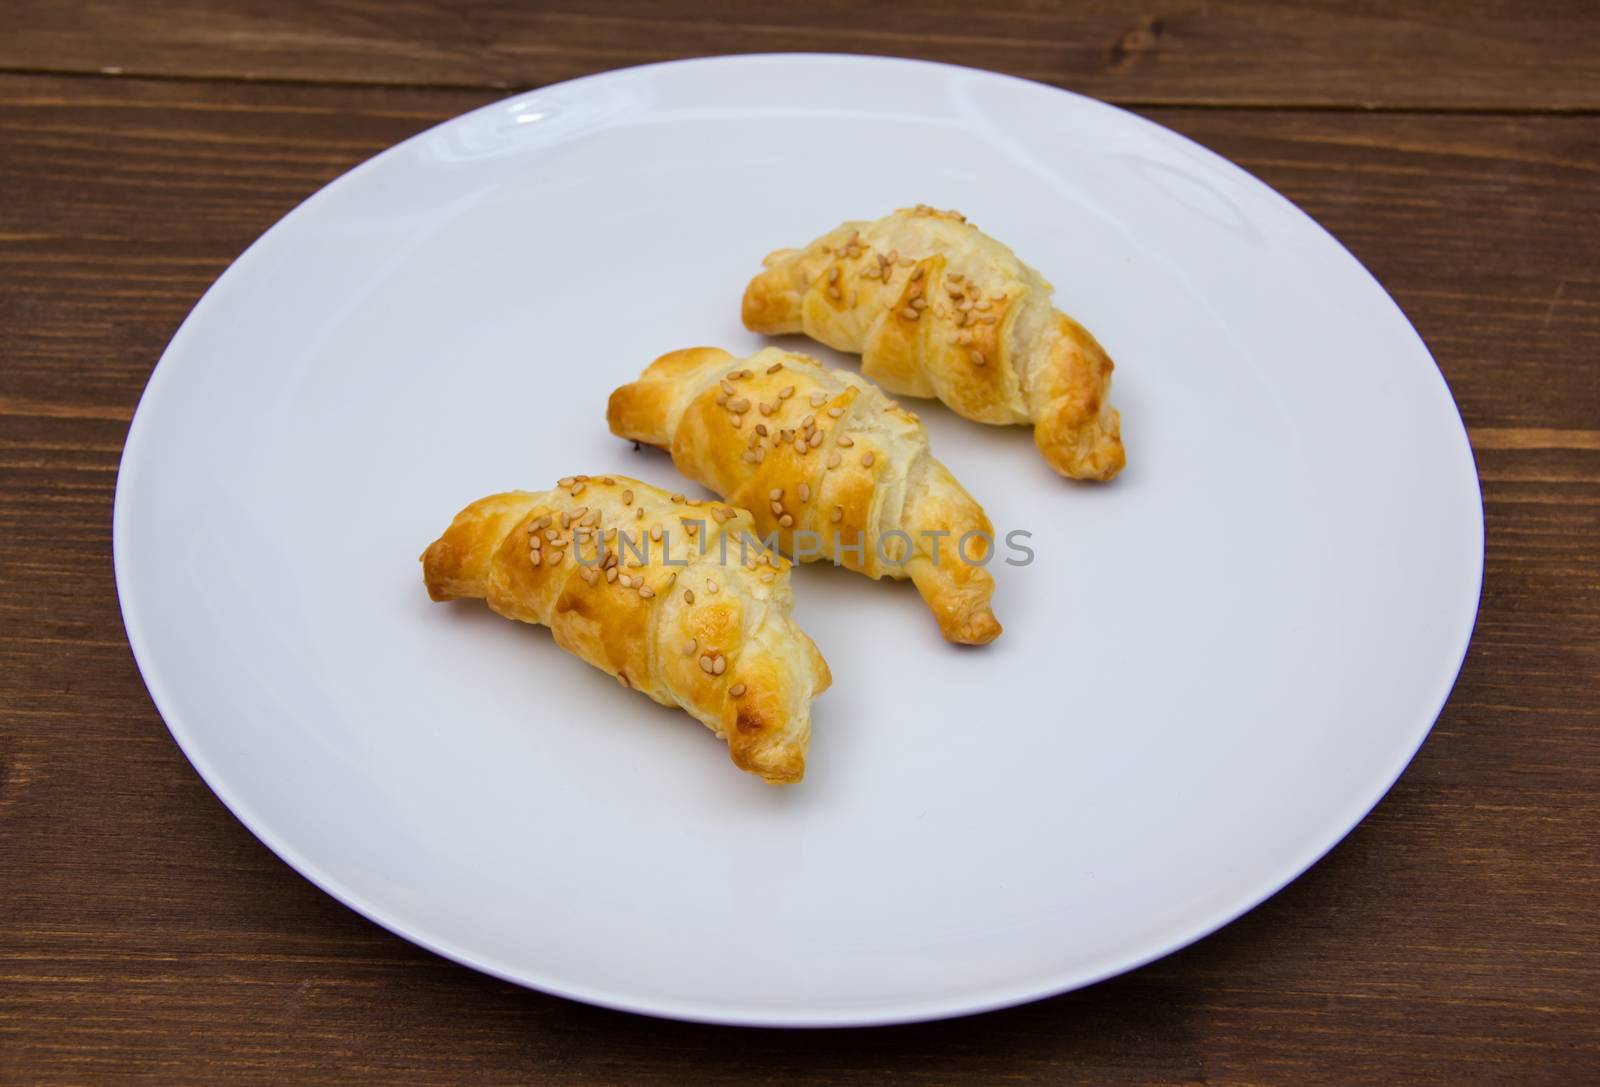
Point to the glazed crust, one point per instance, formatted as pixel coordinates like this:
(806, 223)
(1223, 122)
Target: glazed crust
(652, 603)
(937, 308)
(827, 463)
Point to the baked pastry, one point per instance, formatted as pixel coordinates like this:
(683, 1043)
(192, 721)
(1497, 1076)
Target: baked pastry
(616, 569)
(827, 462)
(937, 308)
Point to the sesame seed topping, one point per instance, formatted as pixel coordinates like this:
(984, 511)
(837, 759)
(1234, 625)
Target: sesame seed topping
(749, 457)
(835, 412)
(688, 596)
(818, 399)
(690, 646)
(786, 392)
(691, 527)
(800, 446)
(767, 578)
(846, 441)
(977, 357)
(727, 386)
(655, 533)
(720, 665)
(646, 592)
(767, 409)
(833, 460)
(707, 665)
(739, 405)
(711, 586)
(805, 492)
(777, 508)
(833, 274)
(589, 576)
(786, 520)
(565, 481)
(611, 574)
(638, 514)
(736, 421)
(910, 313)
(627, 498)
(566, 520)
(837, 515)
(867, 459)
(737, 689)
(553, 556)
(808, 422)
(626, 579)
(775, 494)
(834, 292)
(679, 499)
(774, 368)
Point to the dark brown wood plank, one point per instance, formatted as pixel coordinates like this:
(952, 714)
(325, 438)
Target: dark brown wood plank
(1309, 52)
(142, 931)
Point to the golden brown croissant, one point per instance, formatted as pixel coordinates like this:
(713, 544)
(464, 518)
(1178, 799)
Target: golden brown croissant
(822, 458)
(613, 568)
(937, 308)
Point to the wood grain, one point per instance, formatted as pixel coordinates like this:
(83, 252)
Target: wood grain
(1415, 53)
(145, 934)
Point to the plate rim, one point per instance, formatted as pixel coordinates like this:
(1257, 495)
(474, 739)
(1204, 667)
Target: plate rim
(706, 1012)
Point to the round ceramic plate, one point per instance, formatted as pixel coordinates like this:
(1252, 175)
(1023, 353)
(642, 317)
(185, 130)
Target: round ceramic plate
(1210, 671)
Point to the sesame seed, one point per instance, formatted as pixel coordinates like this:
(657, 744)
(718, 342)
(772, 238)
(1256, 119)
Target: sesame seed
(786, 520)
(565, 481)
(768, 577)
(690, 646)
(552, 557)
(534, 543)
(749, 457)
(846, 441)
(739, 405)
(800, 446)
(679, 499)
(833, 274)
(805, 492)
(867, 459)
(690, 527)
(589, 576)
(646, 591)
(919, 303)
(577, 489)
(655, 533)
(638, 514)
(727, 386)
(627, 498)
(608, 481)
(737, 689)
(808, 422)
(722, 399)
(711, 586)
(761, 429)
(835, 412)
(671, 577)
(775, 494)
(552, 534)
(736, 421)
(688, 596)
(611, 574)
(987, 319)
(818, 399)
(916, 275)
(767, 409)
(977, 357)
(834, 292)
(626, 579)
(777, 508)
(837, 515)
(720, 665)
(833, 460)
(774, 368)
(566, 520)
(909, 313)
(786, 392)
(707, 665)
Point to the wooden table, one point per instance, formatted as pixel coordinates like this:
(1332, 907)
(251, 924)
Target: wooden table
(1454, 937)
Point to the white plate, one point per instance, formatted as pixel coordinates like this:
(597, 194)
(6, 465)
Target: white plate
(1214, 668)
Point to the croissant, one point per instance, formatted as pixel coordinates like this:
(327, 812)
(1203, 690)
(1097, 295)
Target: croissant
(613, 567)
(937, 308)
(825, 461)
